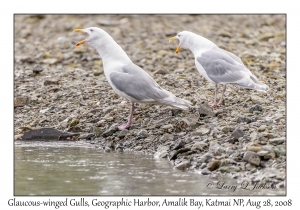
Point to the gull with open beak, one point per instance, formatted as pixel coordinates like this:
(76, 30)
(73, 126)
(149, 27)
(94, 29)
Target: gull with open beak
(217, 65)
(127, 79)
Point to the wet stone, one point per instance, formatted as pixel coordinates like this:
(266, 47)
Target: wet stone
(21, 101)
(199, 146)
(142, 133)
(51, 82)
(251, 157)
(167, 127)
(229, 169)
(202, 131)
(280, 150)
(256, 108)
(216, 149)
(37, 68)
(181, 125)
(276, 141)
(174, 154)
(246, 119)
(205, 171)
(213, 165)
(179, 144)
(122, 133)
(183, 165)
(167, 137)
(110, 131)
(237, 133)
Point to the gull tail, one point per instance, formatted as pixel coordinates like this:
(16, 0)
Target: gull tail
(253, 83)
(176, 102)
(257, 85)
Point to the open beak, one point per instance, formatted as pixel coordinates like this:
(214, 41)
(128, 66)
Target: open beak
(81, 42)
(178, 48)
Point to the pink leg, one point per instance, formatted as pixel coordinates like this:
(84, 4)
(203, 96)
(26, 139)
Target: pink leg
(220, 102)
(215, 98)
(124, 126)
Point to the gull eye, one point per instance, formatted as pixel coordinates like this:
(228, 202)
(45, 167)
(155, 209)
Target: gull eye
(178, 35)
(91, 30)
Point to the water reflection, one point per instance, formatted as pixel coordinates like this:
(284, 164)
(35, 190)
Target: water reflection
(66, 168)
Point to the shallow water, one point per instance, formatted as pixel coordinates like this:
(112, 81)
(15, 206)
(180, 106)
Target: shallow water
(78, 168)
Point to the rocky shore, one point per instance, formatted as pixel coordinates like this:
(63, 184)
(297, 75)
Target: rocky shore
(58, 85)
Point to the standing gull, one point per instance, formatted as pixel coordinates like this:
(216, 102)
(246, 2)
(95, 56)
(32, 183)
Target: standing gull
(127, 79)
(217, 65)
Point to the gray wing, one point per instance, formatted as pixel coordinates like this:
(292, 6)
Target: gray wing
(222, 66)
(233, 56)
(136, 83)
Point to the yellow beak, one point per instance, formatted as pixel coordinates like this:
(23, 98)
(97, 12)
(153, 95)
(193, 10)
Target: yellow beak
(78, 30)
(81, 42)
(178, 48)
(172, 38)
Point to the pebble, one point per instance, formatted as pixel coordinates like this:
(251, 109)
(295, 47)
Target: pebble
(216, 149)
(229, 169)
(37, 68)
(110, 131)
(167, 127)
(202, 131)
(237, 133)
(166, 137)
(183, 165)
(199, 146)
(51, 82)
(213, 165)
(142, 133)
(256, 108)
(252, 157)
(277, 141)
(21, 101)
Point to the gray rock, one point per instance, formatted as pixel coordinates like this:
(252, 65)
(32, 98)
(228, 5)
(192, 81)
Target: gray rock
(216, 149)
(229, 169)
(179, 144)
(263, 153)
(276, 141)
(202, 131)
(162, 152)
(280, 150)
(142, 133)
(174, 154)
(51, 82)
(256, 107)
(237, 133)
(138, 148)
(167, 137)
(251, 157)
(205, 171)
(181, 125)
(270, 155)
(213, 165)
(123, 133)
(21, 101)
(86, 136)
(183, 165)
(160, 71)
(199, 146)
(205, 109)
(167, 127)
(205, 158)
(37, 68)
(110, 131)
(246, 119)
